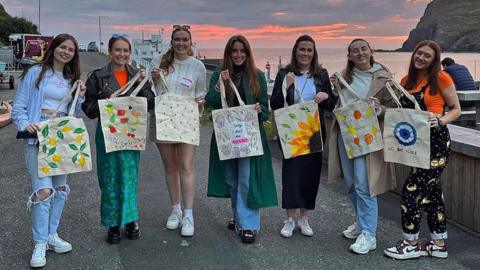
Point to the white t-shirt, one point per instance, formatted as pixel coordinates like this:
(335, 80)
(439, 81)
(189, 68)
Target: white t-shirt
(56, 88)
(188, 77)
(305, 86)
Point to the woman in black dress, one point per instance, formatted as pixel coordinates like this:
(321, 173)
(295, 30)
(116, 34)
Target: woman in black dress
(304, 77)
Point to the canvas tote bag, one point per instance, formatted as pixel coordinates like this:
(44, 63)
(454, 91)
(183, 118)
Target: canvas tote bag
(124, 119)
(406, 132)
(237, 130)
(358, 123)
(176, 118)
(298, 126)
(64, 145)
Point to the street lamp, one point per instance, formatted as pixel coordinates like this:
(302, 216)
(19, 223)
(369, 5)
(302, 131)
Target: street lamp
(100, 30)
(39, 17)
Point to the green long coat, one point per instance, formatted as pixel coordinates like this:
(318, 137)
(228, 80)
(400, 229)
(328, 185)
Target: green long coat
(262, 191)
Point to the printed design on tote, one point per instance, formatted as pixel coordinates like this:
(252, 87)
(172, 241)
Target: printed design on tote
(405, 133)
(63, 145)
(123, 120)
(307, 138)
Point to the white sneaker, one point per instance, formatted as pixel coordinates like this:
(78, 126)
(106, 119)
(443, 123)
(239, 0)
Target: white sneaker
(364, 243)
(288, 228)
(58, 245)
(305, 228)
(38, 255)
(187, 227)
(404, 250)
(174, 220)
(352, 232)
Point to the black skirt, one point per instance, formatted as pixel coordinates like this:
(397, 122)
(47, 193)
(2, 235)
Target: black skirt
(300, 181)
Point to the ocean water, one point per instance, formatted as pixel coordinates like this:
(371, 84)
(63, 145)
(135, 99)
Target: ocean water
(335, 60)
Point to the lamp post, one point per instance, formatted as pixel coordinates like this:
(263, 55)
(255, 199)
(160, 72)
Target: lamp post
(39, 17)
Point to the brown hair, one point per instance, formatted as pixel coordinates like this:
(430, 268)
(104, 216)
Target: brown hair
(432, 71)
(315, 67)
(71, 70)
(115, 39)
(167, 60)
(251, 69)
(348, 72)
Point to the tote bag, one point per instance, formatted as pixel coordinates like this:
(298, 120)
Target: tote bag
(298, 127)
(64, 145)
(358, 123)
(236, 129)
(124, 119)
(406, 133)
(176, 118)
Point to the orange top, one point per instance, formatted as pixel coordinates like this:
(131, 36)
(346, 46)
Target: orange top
(121, 76)
(434, 103)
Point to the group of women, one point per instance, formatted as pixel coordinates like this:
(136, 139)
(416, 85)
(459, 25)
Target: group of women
(249, 182)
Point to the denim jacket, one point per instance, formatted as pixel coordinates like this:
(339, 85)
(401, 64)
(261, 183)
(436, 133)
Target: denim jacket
(27, 105)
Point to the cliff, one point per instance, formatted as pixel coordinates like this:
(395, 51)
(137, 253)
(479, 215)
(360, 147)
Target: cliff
(455, 25)
(10, 25)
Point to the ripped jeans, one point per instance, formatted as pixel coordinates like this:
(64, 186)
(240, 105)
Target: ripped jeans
(46, 214)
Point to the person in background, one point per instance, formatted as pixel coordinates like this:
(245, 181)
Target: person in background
(117, 171)
(184, 75)
(247, 181)
(301, 175)
(461, 77)
(365, 176)
(39, 97)
(422, 190)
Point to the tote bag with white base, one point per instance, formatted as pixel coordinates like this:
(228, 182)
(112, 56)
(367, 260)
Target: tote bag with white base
(298, 127)
(237, 130)
(64, 145)
(358, 123)
(406, 133)
(124, 119)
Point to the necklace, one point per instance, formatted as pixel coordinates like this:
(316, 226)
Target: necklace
(303, 88)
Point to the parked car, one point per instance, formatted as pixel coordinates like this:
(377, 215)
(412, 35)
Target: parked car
(92, 47)
(82, 47)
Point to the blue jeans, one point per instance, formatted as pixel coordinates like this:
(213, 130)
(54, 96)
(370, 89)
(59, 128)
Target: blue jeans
(237, 177)
(356, 179)
(46, 214)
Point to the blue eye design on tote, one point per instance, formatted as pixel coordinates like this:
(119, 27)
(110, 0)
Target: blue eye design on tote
(405, 133)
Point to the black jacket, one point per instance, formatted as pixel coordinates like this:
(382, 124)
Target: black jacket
(101, 83)
(322, 84)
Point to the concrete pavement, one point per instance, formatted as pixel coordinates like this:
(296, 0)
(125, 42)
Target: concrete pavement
(213, 246)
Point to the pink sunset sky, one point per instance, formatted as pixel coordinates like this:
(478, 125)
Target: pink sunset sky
(267, 24)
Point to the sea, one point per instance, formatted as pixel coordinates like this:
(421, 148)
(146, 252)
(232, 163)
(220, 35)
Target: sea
(336, 59)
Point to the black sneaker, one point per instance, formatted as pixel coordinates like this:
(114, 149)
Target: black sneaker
(132, 230)
(114, 236)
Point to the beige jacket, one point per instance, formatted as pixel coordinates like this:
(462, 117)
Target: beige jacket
(381, 175)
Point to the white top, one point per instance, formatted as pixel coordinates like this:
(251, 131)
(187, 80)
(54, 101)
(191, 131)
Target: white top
(362, 80)
(56, 88)
(187, 79)
(305, 87)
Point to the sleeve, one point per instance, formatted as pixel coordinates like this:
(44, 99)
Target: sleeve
(329, 104)
(90, 105)
(263, 98)
(21, 100)
(444, 80)
(277, 100)
(213, 96)
(200, 85)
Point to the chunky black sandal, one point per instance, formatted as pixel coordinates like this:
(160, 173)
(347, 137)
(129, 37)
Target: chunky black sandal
(231, 224)
(114, 236)
(132, 230)
(247, 236)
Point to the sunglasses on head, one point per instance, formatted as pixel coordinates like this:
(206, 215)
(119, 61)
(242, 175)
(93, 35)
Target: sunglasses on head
(116, 35)
(185, 27)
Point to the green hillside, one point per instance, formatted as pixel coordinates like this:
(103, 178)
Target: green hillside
(10, 25)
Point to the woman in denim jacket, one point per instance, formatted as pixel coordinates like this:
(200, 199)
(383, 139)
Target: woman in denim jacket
(39, 97)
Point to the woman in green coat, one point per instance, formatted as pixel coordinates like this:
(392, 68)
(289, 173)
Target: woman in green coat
(247, 181)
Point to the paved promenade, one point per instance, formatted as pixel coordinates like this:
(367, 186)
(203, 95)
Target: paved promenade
(213, 246)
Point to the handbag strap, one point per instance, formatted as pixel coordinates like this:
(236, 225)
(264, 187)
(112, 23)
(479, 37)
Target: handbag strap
(392, 93)
(163, 80)
(348, 88)
(284, 90)
(127, 86)
(66, 98)
(139, 87)
(223, 96)
(405, 92)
